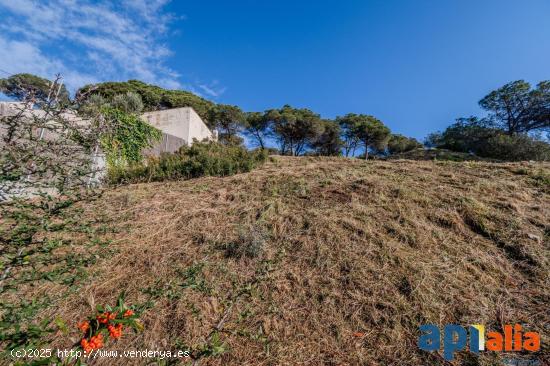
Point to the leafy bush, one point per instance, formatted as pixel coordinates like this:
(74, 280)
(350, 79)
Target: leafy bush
(127, 137)
(516, 147)
(153, 97)
(400, 144)
(470, 135)
(201, 159)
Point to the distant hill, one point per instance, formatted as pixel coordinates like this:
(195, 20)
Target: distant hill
(322, 261)
(154, 97)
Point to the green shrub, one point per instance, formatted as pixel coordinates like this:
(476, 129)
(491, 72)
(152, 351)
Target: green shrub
(516, 147)
(399, 144)
(201, 159)
(469, 135)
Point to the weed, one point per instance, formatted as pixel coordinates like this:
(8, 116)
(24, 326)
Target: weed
(250, 243)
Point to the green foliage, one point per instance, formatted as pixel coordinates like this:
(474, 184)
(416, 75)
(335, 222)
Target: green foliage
(399, 144)
(258, 127)
(229, 120)
(513, 148)
(201, 159)
(126, 138)
(364, 129)
(28, 86)
(328, 142)
(19, 332)
(130, 102)
(350, 139)
(296, 129)
(516, 108)
(35, 258)
(153, 97)
(470, 135)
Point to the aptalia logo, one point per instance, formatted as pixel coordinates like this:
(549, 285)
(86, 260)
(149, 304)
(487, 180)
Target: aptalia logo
(455, 338)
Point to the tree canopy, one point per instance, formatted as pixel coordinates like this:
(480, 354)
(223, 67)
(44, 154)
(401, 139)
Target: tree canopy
(28, 86)
(516, 108)
(364, 130)
(228, 120)
(295, 129)
(350, 138)
(328, 141)
(472, 135)
(152, 96)
(400, 144)
(258, 127)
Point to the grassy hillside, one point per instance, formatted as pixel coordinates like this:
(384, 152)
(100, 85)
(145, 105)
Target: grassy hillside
(437, 154)
(317, 261)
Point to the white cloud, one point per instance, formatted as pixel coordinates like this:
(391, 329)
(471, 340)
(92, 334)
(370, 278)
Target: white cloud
(87, 41)
(213, 89)
(25, 57)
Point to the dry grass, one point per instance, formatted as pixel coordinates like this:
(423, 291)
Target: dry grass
(290, 260)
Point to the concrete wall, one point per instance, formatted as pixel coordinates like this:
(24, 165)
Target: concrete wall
(183, 123)
(168, 143)
(197, 129)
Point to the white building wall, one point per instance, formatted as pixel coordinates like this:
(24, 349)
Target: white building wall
(197, 129)
(183, 123)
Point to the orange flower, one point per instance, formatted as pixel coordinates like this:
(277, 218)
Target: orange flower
(115, 331)
(105, 317)
(96, 342)
(128, 313)
(84, 326)
(359, 334)
(86, 345)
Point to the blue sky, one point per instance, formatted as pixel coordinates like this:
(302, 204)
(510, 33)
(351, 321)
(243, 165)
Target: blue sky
(415, 64)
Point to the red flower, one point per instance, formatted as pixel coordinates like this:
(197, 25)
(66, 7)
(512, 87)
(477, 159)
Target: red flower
(128, 313)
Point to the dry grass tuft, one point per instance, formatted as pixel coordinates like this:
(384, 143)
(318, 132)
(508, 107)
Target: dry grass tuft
(287, 262)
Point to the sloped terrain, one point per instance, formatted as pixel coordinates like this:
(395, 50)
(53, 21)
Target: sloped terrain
(323, 261)
(437, 154)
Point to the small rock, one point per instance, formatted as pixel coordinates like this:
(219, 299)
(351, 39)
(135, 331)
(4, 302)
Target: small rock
(534, 237)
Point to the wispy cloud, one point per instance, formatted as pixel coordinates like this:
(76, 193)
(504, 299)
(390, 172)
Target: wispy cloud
(88, 41)
(213, 89)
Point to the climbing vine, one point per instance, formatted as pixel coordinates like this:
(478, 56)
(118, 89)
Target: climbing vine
(126, 138)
